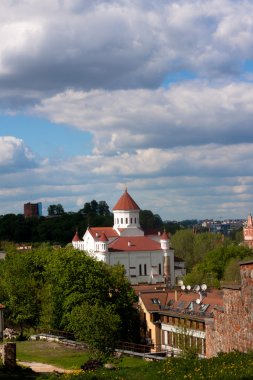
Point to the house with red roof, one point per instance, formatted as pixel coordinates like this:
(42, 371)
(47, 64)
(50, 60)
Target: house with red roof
(146, 258)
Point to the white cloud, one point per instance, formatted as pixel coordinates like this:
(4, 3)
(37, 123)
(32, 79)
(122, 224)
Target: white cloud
(14, 154)
(100, 66)
(50, 46)
(186, 114)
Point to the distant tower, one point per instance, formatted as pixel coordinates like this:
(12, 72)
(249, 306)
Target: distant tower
(248, 232)
(32, 209)
(168, 260)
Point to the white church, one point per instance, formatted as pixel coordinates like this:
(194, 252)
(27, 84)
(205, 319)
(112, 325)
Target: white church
(146, 258)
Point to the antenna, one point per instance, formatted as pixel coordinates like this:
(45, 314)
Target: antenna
(198, 301)
(188, 287)
(203, 287)
(183, 287)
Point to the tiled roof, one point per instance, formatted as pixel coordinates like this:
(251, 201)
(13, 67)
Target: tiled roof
(109, 232)
(164, 236)
(126, 203)
(76, 237)
(134, 243)
(103, 237)
(178, 302)
(149, 300)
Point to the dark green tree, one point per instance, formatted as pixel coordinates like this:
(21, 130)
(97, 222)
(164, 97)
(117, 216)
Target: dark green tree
(55, 210)
(103, 208)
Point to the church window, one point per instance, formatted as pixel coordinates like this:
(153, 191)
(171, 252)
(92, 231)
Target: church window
(126, 220)
(135, 220)
(140, 270)
(131, 220)
(160, 269)
(121, 221)
(145, 269)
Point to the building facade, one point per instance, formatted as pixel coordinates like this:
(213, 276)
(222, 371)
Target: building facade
(211, 322)
(146, 258)
(177, 320)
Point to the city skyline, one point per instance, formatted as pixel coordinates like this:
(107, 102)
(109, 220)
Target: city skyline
(155, 96)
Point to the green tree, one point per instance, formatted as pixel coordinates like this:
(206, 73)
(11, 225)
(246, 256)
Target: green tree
(212, 269)
(98, 326)
(148, 220)
(55, 210)
(103, 208)
(19, 289)
(183, 243)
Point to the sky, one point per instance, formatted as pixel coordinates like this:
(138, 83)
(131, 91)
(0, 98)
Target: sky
(152, 95)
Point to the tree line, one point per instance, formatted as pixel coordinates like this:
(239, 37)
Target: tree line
(59, 227)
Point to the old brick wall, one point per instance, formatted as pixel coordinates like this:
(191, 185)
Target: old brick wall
(232, 328)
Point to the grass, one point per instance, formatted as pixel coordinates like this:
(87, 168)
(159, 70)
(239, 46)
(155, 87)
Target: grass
(51, 353)
(64, 357)
(231, 366)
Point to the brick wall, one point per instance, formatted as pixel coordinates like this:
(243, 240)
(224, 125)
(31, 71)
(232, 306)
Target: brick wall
(232, 329)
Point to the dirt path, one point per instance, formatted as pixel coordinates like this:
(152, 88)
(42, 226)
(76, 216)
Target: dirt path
(41, 367)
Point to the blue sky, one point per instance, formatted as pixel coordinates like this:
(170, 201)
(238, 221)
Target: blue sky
(50, 139)
(155, 95)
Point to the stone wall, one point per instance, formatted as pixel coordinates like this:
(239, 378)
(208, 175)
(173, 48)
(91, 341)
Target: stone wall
(9, 354)
(232, 328)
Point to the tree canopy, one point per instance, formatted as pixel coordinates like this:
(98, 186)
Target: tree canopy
(49, 288)
(219, 264)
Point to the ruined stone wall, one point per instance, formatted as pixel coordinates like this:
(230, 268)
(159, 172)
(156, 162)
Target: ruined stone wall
(232, 328)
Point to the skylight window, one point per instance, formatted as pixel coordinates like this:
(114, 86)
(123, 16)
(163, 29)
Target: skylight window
(155, 301)
(204, 307)
(191, 306)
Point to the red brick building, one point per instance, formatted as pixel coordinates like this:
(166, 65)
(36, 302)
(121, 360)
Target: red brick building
(32, 209)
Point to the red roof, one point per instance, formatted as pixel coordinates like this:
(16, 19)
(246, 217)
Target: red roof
(76, 237)
(179, 301)
(126, 203)
(103, 237)
(134, 243)
(164, 236)
(97, 232)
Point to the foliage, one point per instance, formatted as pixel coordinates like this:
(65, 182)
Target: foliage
(193, 248)
(148, 220)
(19, 289)
(230, 366)
(47, 287)
(96, 325)
(55, 210)
(217, 265)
